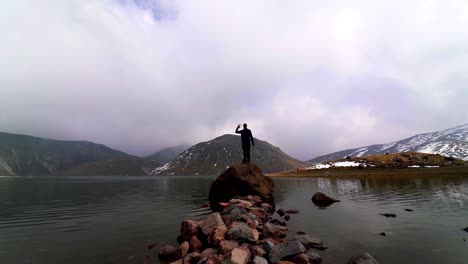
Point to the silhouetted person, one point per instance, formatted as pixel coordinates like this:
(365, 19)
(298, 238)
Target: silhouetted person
(246, 136)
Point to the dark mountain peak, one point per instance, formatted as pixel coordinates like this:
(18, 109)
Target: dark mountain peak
(214, 156)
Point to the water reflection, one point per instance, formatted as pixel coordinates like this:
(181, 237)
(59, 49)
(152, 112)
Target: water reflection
(108, 220)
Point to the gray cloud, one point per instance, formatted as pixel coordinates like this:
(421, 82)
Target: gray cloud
(309, 76)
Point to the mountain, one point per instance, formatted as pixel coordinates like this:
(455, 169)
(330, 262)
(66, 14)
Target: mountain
(452, 142)
(164, 156)
(33, 156)
(213, 157)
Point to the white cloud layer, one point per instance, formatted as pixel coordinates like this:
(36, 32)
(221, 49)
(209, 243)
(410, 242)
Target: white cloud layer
(309, 76)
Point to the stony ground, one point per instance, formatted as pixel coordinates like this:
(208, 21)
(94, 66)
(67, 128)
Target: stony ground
(245, 231)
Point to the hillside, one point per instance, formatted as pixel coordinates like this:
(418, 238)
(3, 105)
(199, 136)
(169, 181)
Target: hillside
(213, 157)
(395, 160)
(121, 166)
(33, 156)
(165, 155)
(452, 142)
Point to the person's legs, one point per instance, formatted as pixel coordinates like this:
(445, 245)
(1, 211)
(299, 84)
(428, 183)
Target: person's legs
(244, 152)
(247, 154)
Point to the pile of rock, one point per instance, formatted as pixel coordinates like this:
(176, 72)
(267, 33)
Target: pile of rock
(244, 232)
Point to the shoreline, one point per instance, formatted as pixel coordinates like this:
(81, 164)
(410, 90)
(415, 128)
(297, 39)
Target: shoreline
(353, 172)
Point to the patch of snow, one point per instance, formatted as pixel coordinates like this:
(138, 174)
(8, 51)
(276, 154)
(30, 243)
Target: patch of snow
(346, 164)
(414, 166)
(431, 166)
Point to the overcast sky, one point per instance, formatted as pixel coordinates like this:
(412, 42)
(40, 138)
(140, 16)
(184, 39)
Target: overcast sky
(311, 77)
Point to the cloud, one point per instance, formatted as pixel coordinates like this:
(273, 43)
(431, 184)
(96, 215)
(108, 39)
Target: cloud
(309, 76)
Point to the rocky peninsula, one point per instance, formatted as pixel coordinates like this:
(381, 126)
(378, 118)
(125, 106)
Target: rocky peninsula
(245, 227)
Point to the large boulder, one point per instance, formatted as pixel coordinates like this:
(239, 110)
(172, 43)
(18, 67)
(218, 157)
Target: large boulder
(241, 180)
(321, 199)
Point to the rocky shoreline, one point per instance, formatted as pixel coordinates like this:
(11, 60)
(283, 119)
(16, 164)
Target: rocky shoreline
(246, 230)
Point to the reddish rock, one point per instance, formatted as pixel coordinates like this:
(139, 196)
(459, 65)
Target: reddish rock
(259, 215)
(214, 259)
(285, 262)
(227, 246)
(195, 244)
(300, 259)
(245, 247)
(273, 231)
(188, 229)
(237, 256)
(209, 251)
(195, 257)
(217, 235)
(267, 207)
(211, 223)
(183, 249)
(287, 217)
(241, 180)
(243, 203)
(292, 211)
(257, 250)
(278, 222)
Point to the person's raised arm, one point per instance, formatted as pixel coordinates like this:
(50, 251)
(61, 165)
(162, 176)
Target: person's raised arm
(237, 129)
(251, 138)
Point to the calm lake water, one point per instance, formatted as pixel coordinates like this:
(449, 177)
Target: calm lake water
(113, 219)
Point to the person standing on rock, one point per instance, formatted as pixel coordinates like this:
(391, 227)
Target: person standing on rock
(246, 137)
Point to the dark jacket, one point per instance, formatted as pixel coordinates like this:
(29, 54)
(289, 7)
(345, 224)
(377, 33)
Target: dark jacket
(246, 136)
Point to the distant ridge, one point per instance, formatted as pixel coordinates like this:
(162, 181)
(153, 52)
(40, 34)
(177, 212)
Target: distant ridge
(452, 142)
(214, 156)
(165, 155)
(33, 156)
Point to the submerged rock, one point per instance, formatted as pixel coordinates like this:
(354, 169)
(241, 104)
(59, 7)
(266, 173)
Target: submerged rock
(273, 231)
(388, 215)
(286, 249)
(309, 241)
(321, 199)
(465, 229)
(167, 251)
(365, 258)
(241, 180)
(409, 210)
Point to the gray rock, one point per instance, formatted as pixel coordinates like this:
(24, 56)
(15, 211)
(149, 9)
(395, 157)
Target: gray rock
(365, 258)
(286, 249)
(259, 260)
(308, 241)
(268, 245)
(234, 212)
(211, 223)
(243, 233)
(314, 258)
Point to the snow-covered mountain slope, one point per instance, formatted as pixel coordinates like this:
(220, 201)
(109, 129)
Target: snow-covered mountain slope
(452, 142)
(215, 156)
